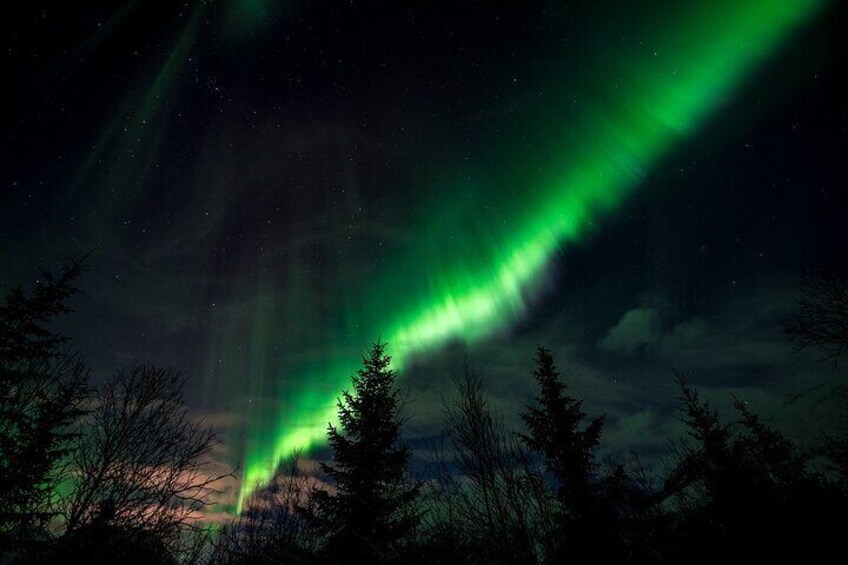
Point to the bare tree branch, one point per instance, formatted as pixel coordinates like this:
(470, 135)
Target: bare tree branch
(822, 318)
(140, 462)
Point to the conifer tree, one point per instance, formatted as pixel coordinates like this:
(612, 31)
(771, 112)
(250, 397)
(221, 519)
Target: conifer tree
(42, 387)
(557, 433)
(371, 510)
(555, 425)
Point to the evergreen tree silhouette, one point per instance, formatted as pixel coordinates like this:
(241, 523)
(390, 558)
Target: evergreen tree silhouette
(745, 489)
(371, 510)
(42, 387)
(555, 432)
(558, 434)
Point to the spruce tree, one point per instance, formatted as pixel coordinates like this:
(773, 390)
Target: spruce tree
(371, 510)
(42, 387)
(743, 488)
(557, 434)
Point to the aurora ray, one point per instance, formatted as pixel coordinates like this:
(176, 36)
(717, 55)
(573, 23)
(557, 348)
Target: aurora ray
(467, 288)
(126, 152)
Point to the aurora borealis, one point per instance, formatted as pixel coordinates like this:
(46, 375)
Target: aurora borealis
(475, 291)
(269, 186)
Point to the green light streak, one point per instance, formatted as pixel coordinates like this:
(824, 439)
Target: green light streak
(468, 290)
(127, 150)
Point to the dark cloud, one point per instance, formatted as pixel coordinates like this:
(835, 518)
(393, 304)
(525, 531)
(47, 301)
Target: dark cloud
(637, 328)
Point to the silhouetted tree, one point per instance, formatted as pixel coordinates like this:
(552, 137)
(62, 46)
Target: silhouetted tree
(42, 387)
(370, 511)
(140, 464)
(488, 503)
(744, 489)
(822, 318)
(557, 432)
(822, 321)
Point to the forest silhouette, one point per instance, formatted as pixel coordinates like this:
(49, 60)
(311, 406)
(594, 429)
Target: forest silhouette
(121, 472)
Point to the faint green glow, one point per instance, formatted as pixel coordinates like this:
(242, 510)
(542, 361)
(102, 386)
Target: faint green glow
(249, 19)
(128, 148)
(655, 98)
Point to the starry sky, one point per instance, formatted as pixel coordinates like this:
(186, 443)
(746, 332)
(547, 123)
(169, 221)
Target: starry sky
(266, 187)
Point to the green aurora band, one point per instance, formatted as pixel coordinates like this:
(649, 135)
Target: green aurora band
(468, 287)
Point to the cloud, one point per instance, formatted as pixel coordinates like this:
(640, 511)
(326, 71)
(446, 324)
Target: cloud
(743, 331)
(637, 328)
(741, 328)
(723, 342)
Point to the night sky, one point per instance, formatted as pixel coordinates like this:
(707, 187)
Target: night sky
(266, 187)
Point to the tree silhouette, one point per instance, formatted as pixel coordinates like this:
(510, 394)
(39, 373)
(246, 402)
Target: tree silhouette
(371, 510)
(42, 387)
(140, 462)
(822, 318)
(744, 489)
(488, 504)
(557, 433)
